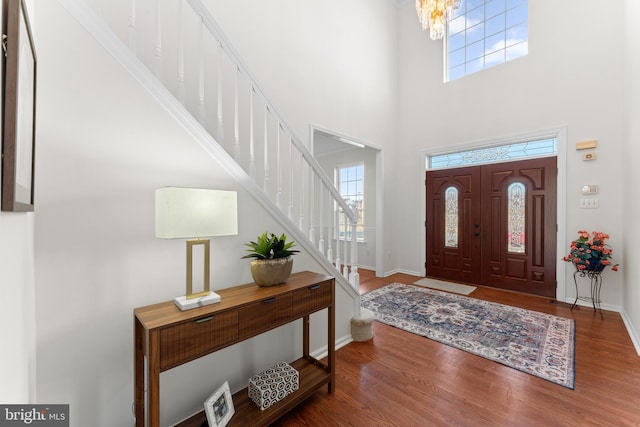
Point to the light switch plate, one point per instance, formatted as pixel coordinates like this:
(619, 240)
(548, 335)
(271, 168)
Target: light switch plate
(589, 189)
(589, 203)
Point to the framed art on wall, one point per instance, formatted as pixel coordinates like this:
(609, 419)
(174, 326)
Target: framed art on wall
(18, 139)
(219, 407)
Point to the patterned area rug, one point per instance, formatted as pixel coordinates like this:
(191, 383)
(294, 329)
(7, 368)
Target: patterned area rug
(536, 343)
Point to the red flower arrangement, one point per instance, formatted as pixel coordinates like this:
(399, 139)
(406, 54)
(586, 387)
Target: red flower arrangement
(590, 252)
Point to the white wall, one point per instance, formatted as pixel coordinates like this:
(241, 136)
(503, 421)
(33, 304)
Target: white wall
(631, 147)
(572, 76)
(331, 63)
(17, 303)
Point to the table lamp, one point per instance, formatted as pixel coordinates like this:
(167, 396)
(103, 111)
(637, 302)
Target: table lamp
(194, 213)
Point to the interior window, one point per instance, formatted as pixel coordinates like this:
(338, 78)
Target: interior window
(351, 186)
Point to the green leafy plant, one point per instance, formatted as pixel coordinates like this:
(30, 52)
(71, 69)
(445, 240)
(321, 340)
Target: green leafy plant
(270, 246)
(590, 252)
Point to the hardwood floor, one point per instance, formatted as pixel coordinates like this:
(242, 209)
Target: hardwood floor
(401, 379)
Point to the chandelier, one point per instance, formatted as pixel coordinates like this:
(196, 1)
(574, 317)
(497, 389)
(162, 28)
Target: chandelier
(433, 14)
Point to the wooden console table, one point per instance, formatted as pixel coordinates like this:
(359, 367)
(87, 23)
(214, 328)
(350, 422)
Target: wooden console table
(168, 337)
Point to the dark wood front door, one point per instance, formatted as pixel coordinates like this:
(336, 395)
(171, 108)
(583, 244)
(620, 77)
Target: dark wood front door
(494, 225)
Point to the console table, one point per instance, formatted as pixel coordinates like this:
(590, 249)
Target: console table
(168, 337)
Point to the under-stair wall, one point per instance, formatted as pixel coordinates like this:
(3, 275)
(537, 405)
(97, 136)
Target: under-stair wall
(183, 47)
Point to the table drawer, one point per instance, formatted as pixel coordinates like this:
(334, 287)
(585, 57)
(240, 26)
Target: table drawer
(312, 298)
(262, 315)
(188, 341)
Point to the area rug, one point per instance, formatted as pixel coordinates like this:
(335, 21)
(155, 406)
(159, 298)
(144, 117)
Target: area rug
(458, 288)
(536, 343)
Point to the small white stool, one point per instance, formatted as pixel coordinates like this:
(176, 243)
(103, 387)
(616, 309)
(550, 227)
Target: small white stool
(361, 329)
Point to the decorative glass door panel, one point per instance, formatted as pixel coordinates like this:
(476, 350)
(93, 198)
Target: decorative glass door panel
(516, 218)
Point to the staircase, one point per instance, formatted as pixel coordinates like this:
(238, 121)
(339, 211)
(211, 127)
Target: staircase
(176, 50)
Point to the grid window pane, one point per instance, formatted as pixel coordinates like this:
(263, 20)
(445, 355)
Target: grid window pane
(517, 34)
(475, 50)
(475, 17)
(495, 25)
(457, 25)
(475, 65)
(456, 72)
(495, 31)
(494, 43)
(456, 58)
(471, 4)
(516, 16)
(494, 8)
(351, 187)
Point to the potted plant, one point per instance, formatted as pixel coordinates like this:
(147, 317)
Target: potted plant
(273, 262)
(589, 253)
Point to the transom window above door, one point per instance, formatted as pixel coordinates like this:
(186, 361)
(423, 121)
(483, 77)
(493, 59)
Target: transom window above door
(539, 147)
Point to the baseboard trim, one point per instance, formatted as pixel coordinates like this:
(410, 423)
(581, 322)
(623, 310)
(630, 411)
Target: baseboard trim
(607, 307)
(633, 334)
(323, 351)
(402, 271)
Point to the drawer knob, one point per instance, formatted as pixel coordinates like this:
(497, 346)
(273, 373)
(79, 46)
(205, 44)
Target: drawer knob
(314, 287)
(269, 300)
(204, 319)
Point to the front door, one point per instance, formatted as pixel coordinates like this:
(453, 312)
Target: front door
(494, 225)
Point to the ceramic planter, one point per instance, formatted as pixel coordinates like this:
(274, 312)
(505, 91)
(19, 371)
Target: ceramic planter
(269, 272)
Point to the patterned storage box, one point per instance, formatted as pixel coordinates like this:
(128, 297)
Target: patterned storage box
(270, 386)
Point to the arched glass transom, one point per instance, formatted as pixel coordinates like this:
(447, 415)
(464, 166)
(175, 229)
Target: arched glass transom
(516, 198)
(451, 217)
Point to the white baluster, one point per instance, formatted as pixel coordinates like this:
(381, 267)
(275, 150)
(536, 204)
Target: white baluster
(265, 186)
(202, 114)
(181, 88)
(290, 213)
(345, 270)
(157, 52)
(321, 222)
(301, 221)
(252, 154)
(132, 27)
(278, 172)
(236, 120)
(336, 228)
(354, 277)
(312, 199)
(220, 135)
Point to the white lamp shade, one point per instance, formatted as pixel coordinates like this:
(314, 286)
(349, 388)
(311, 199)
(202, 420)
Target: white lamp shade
(183, 213)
